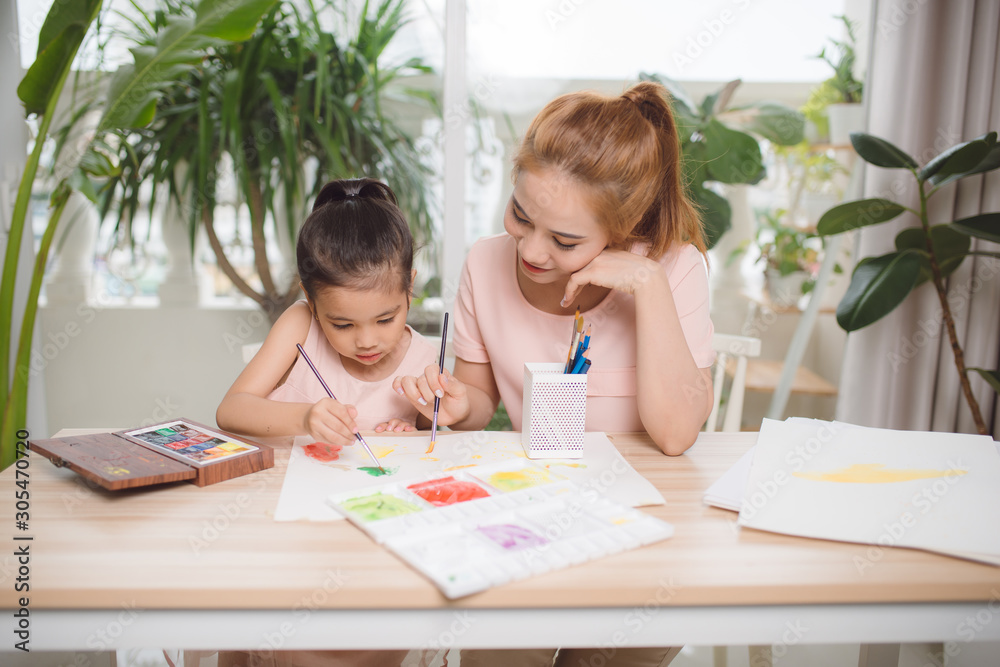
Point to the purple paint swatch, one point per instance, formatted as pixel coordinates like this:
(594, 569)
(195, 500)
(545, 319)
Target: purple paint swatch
(512, 537)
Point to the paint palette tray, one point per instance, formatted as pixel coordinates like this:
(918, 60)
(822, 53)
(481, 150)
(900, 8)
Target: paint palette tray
(488, 525)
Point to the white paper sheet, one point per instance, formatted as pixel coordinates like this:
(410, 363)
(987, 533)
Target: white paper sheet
(830, 480)
(308, 482)
(727, 492)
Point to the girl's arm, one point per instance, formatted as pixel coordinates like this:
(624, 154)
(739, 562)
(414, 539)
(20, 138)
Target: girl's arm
(674, 396)
(246, 409)
(468, 398)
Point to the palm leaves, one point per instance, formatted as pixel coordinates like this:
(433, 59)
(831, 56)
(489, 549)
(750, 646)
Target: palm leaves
(288, 109)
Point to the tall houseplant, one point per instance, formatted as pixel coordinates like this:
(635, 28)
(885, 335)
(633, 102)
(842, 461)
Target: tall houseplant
(295, 94)
(720, 144)
(925, 252)
(129, 102)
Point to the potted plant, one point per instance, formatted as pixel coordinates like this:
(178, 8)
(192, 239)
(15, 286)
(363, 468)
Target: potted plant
(283, 112)
(844, 111)
(791, 256)
(721, 144)
(126, 103)
(816, 181)
(925, 252)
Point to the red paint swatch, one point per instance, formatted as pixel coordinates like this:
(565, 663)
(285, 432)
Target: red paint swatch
(448, 491)
(322, 451)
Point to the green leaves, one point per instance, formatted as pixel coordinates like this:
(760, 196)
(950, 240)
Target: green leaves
(958, 161)
(716, 213)
(855, 214)
(775, 122)
(58, 41)
(985, 226)
(731, 156)
(950, 248)
(880, 152)
(135, 89)
(878, 285)
(721, 145)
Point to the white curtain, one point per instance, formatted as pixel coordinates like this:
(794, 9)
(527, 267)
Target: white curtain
(932, 82)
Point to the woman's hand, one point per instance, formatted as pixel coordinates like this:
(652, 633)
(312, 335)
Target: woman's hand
(421, 392)
(396, 425)
(329, 420)
(615, 269)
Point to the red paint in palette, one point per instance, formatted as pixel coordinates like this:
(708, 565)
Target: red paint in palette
(323, 451)
(448, 491)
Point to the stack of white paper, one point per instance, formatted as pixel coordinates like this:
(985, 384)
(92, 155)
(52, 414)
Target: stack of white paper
(830, 480)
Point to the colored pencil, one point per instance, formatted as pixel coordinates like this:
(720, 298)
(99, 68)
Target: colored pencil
(437, 399)
(330, 394)
(578, 366)
(577, 332)
(572, 338)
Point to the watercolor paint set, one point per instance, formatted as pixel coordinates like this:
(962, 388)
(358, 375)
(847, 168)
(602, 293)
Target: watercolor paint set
(176, 450)
(484, 526)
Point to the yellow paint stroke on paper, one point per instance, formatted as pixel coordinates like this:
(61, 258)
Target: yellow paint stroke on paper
(468, 465)
(568, 465)
(429, 458)
(877, 473)
(513, 480)
(382, 452)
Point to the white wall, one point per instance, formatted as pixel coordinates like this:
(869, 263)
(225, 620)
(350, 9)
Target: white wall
(119, 367)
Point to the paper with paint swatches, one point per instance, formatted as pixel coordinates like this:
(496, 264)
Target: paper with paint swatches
(488, 525)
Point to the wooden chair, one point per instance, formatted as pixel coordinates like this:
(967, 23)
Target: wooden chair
(738, 348)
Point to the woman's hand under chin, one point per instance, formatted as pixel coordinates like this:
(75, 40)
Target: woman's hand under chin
(614, 269)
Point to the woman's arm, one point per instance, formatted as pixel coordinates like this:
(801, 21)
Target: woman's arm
(246, 409)
(674, 396)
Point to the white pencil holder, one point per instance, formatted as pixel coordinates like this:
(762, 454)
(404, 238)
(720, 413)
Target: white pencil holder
(554, 412)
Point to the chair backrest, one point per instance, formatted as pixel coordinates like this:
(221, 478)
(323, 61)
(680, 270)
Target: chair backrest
(738, 349)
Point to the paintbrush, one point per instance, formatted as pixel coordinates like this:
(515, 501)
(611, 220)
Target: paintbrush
(437, 399)
(330, 394)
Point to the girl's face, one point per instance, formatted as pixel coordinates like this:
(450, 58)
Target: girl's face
(556, 230)
(364, 326)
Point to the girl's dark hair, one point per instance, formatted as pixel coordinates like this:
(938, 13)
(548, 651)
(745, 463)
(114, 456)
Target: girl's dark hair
(355, 237)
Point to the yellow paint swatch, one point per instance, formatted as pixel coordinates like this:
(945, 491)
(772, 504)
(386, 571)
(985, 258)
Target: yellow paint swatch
(382, 452)
(877, 473)
(519, 479)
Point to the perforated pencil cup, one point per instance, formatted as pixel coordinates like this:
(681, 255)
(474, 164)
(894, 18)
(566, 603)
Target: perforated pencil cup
(554, 412)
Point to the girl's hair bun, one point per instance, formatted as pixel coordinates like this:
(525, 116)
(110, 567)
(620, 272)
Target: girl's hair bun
(359, 188)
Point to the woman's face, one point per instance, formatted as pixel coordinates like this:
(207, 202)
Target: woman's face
(556, 230)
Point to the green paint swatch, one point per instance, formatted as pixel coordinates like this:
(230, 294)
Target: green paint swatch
(379, 506)
(377, 472)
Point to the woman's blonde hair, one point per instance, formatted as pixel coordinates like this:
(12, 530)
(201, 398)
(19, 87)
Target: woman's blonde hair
(625, 152)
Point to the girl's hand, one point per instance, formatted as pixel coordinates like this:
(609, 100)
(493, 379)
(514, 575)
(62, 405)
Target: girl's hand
(396, 424)
(615, 269)
(329, 420)
(421, 392)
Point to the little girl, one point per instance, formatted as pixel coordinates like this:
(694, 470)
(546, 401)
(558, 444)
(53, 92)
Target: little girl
(355, 258)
